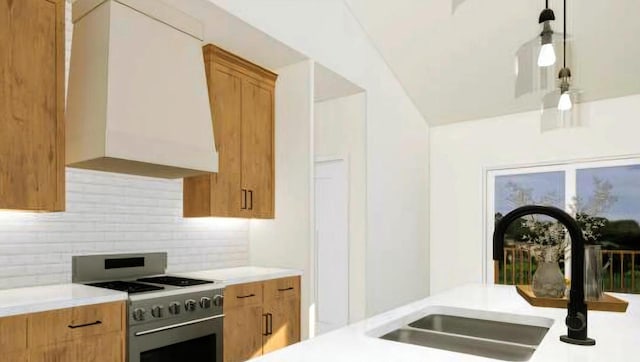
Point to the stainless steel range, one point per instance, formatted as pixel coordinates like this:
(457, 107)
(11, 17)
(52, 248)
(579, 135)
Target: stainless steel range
(169, 318)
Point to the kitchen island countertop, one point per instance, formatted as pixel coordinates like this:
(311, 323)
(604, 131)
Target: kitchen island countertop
(617, 335)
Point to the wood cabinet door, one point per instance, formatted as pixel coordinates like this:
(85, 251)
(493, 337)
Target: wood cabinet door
(258, 147)
(284, 323)
(32, 105)
(13, 334)
(220, 194)
(243, 332)
(282, 305)
(100, 348)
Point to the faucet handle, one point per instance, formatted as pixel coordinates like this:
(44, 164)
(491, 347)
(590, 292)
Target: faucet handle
(577, 322)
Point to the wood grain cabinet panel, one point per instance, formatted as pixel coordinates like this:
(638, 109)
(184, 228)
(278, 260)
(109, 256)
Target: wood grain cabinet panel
(73, 323)
(13, 334)
(98, 348)
(16, 357)
(242, 97)
(32, 105)
(257, 148)
(261, 317)
(243, 330)
(284, 323)
(93, 333)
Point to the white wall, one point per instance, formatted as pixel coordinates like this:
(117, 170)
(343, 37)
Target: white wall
(460, 153)
(114, 213)
(286, 240)
(339, 131)
(397, 139)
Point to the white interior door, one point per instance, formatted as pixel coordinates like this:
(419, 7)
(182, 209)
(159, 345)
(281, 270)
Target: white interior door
(332, 245)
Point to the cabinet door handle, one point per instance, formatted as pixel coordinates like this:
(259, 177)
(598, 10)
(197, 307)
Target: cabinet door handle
(270, 324)
(285, 289)
(266, 324)
(74, 326)
(250, 199)
(246, 296)
(243, 200)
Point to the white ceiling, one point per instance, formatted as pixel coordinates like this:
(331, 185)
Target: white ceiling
(231, 33)
(330, 85)
(460, 65)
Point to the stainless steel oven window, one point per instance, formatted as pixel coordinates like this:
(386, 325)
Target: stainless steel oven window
(193, 341)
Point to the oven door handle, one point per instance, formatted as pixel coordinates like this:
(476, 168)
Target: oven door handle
(178, 325)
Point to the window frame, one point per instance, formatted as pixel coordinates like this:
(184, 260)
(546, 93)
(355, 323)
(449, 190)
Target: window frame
(570, 169)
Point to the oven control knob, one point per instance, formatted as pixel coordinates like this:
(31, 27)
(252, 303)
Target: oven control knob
(174, 308)
(157, 311)
(138, 314)
(205, 302)
(190, 305)
(218, 300)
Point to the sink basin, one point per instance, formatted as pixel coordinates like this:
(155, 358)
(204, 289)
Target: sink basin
(500, 336)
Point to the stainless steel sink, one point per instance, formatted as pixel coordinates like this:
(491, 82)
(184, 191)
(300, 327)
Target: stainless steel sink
(486, 334)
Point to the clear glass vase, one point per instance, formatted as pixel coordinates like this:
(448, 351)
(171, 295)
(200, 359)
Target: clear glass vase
(548, 280)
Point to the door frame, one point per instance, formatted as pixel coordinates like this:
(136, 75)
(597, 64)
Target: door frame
(328, 159)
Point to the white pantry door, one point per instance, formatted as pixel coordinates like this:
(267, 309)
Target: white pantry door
(332, 245)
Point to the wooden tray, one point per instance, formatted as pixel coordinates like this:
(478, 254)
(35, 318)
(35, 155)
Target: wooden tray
(607, 303)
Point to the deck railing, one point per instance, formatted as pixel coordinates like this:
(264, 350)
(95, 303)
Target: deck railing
(621, 273)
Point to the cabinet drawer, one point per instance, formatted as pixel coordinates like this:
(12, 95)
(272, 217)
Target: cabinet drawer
(13, 334)
(243, 295)
(282, 288)
(73, 323)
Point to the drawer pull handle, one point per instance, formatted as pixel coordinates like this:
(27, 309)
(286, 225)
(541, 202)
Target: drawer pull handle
(246, 296)
(84, 325)
(285, 289)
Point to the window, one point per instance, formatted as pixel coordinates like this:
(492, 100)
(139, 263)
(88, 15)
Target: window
(603, 196)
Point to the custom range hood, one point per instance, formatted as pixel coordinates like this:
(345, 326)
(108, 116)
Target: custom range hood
(137, 100)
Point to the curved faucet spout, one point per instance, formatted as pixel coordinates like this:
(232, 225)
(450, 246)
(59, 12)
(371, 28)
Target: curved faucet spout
(576, 308)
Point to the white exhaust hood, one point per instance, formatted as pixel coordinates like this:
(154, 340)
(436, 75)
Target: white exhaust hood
(138, 101)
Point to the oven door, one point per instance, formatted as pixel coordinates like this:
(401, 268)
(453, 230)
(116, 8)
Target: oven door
(194, 341)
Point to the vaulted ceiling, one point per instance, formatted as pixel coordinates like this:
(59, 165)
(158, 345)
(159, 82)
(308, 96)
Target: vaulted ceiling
(457, 58)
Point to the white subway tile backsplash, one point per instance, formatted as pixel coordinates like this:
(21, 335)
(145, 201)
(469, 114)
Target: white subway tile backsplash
(114, 213)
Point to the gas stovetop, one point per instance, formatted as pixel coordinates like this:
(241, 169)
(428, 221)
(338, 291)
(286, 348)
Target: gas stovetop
(126, 286)
(175, 281)
(155, 298)
(149, 284)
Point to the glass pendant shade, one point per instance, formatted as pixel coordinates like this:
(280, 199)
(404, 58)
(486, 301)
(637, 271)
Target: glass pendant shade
(564, 104)
(547, 55)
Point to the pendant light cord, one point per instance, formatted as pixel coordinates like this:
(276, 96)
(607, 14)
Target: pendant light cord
(565, 34)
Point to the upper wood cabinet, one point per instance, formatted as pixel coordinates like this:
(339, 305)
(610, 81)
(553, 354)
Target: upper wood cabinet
(242, 97)
(32, 65)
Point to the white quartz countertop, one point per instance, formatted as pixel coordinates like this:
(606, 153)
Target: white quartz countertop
(240, 275)
(50, 297)
(617, 334)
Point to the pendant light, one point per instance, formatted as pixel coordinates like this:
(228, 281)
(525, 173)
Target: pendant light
(564, 104)
(547, 55)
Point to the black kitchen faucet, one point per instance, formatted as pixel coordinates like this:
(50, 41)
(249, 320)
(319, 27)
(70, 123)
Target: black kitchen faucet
(576, 320)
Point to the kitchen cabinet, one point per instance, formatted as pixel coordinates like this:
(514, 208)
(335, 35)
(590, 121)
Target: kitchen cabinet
(92, 333)
(242, 97)
(282, 306)
(261, 317)
(32, 62)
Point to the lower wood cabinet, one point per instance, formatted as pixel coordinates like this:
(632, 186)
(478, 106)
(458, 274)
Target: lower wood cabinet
(261, 317)
(93, 333)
